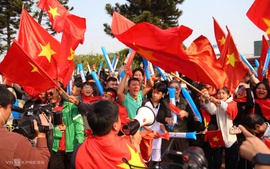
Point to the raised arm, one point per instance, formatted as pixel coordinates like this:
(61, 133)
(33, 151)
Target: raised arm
(121, 87)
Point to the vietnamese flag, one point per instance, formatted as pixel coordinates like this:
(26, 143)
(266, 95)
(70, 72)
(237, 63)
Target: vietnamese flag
(38, 44)
(215, 138)
(206, 65)
(164, 49)
(232, 64)
(107, 152)
(265, 47)
(219, 35)
(72, 35)
(56, 12)
(20, 68)
(120, 23)
(206, 116)
(259, 14)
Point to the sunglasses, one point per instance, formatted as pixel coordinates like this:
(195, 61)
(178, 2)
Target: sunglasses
(50, 93)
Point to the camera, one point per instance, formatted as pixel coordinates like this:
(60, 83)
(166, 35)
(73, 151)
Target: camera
(25, 126)
(191, 158)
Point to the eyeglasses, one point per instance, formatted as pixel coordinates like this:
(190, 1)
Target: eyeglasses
(176, 88)
(242, 90)
(50, 93)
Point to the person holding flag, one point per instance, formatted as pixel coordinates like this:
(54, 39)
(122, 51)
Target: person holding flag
(245, 104)
(226, 110)
(68, 132)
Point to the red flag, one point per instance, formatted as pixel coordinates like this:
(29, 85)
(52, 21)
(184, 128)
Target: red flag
(120, 24)
(267, 142)
(206, 65)
(164, 48)
(38, 44)
(265, 107)
(56, 12)
(27, 72)
(219, 35)
(72, 35)
(206, 116)
(123, 114)
(107, 152)
(232, 64)
(259, 14)
(215, 138)
(265, 47)
(146, 145)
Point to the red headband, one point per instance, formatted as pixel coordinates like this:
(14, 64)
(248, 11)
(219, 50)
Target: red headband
(111, 93)
(202, 91)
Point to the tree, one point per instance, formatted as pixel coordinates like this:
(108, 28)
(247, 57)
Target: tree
(10, 11)
(163, 13)
(9, 20)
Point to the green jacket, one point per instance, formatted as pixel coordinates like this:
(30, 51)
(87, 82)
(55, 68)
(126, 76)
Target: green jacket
(74, 131)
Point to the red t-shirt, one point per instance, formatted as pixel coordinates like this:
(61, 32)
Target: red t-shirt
(62, 144)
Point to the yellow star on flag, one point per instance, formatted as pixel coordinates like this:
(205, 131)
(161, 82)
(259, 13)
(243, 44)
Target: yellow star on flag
(46, 51)
(134, 160)
(205, 122)
(35, 69)
(222, 40)
(267, 22)
(215, 139)
(71, 54)
(231, 59)
(53, 12)
(145, 53)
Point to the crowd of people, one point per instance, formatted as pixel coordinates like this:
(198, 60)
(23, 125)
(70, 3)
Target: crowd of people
(88, 133)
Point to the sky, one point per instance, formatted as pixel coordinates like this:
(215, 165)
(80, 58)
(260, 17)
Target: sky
(197, 15)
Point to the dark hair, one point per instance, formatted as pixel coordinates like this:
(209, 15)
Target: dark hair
(102, 75)
(132, 79)
(77, 78)
(6, 97)
(174, 81)
(138, 69)
(266, 87)
(113, 79)
(161, 87)
(102, 116)
(94, 86)
(225, 89)
(89, 77)
(78, 84)
(110, 90)
(252, 119)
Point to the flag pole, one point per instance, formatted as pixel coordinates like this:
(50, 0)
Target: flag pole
(190, 85)
(63, 91)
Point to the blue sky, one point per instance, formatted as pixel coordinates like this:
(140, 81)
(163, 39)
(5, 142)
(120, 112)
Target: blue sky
(196, 14)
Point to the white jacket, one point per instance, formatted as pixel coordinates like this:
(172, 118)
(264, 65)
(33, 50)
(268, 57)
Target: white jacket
(224, 121)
